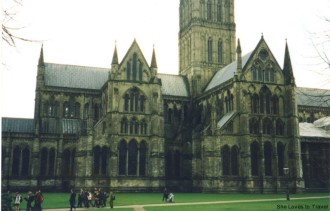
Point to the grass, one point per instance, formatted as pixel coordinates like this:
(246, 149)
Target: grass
(61, 200)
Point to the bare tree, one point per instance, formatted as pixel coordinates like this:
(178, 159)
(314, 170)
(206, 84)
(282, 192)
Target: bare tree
(9, 30)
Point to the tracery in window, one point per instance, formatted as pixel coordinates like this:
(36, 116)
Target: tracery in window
(219, 52)
(209, 50)
(229, 101)
(209, 10)
(134, 69)
(134, 101)
(254, 126)
(268, 155)
(255, 150)
(219, 11)
(267, 126)
(132, 158)
(279, 127)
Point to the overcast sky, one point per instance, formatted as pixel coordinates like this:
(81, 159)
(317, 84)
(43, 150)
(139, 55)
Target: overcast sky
(84, 32)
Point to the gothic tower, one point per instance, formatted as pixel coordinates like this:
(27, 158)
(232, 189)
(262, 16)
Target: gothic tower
(206, 39)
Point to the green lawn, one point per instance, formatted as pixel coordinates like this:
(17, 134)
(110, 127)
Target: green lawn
(61, 200)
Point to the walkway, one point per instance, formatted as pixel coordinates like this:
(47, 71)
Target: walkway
(141, 207)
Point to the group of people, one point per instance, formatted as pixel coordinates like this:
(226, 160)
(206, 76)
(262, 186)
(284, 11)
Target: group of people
(33, 201)
(168, 196)
(98, 198)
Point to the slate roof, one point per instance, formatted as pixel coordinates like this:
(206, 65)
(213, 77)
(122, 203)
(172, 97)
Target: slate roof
(174, 85)
(72, 76)
(225, 119)
(17, 125)
(226, 73)
(313, 97)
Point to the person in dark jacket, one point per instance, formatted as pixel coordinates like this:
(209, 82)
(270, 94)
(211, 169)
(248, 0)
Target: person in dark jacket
(112, 198)
(29, 199)
(72, 200)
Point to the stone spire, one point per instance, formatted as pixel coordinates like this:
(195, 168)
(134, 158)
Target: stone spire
(115, 56)
(287, 67)
(153, 65)
(153, 59)
(41, 62)
(239, 57)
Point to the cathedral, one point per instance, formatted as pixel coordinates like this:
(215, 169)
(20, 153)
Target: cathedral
(228, 122)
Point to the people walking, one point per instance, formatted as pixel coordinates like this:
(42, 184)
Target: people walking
(38, 200)
(112, 198)
(18, 201)
(72, 200)
(29, 199)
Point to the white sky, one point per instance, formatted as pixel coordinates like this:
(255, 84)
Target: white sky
(84, 32)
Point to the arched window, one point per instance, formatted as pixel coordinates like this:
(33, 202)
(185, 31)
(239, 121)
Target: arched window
(225, 156)
(51, 163)
(268, 154)
(134, 101)
(220, 52)
(265, 100)
(255, 150)
(255, 103)
(143, 127)
(279, 127)
(280, 158)
(97, 160)
(43, 161)
(209, 10)
(165, 112)
(234, 161)
(132, 157)
(134, 69)
(96, 112)
(25, 161)
(209, 50)
(68, 162)
(229, 101)
(267, 126)
(124, 125)
(219, 11)
(254, 126)
(128, 71)
(66, 110)
(16, 161)
(140, 71)
(126, 102)
(227, 11)
(86, 111)
(177, 163)
(275, 105)
(104, 160)
(122, 157)
(77, 110)
(142, 158)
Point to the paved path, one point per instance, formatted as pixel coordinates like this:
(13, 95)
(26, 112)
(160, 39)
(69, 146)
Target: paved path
(141, 207)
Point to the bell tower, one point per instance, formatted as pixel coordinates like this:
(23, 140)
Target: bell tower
(207, 39)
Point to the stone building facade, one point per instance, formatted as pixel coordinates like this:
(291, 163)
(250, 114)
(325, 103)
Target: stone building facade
(227, 123)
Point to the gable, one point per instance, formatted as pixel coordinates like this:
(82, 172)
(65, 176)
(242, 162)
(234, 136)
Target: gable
(261, 57)
(134, 66)
(262, 66)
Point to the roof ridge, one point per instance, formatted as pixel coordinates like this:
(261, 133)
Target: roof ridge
(74, 65)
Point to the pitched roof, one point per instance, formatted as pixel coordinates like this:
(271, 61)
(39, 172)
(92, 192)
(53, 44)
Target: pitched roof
(18, 125)
(228, 116)
(174, 85)
(310, 130)
(226, 73)
(313, 97)
(71, 76)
